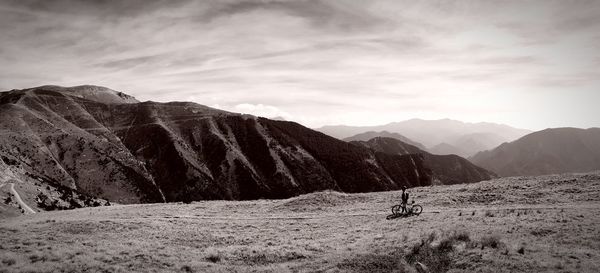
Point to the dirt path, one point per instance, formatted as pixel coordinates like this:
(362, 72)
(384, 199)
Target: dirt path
(277, 216)
(25, 207)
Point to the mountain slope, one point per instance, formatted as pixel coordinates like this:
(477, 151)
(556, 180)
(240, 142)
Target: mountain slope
(105, 144)
(366, 136)
(549, 151)
(446, 169)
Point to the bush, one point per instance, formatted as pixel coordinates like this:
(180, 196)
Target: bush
(9, 261)
(462, 236)
(213, 258)
(490, 241)
(186, 268)
(436, 258)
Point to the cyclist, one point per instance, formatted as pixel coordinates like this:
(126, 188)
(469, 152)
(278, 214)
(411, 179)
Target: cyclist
(404, 199)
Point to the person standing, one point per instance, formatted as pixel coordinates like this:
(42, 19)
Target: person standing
(404, 199)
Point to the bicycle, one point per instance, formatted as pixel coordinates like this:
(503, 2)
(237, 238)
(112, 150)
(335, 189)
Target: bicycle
(412, 210)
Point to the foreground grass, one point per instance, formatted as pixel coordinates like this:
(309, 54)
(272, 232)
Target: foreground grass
(547, 224)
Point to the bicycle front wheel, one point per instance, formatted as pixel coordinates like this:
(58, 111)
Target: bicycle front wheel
(416, 209)
(396, 209)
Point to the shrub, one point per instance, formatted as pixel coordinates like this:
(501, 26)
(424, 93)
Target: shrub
(186, 268)
(213, 258)
(9, 261)
(436, 258)
(490, 241)
(462, 236)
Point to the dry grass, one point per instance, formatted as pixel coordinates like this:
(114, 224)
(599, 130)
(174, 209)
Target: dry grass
(349, 233)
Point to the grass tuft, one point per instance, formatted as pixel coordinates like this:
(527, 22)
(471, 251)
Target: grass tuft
(438, 258)
(213, 258)
(9, 261)
(187, 269)
(490, 241)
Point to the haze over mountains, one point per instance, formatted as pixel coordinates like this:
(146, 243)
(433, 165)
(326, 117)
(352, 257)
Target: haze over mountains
(443, 136)
(549, 151)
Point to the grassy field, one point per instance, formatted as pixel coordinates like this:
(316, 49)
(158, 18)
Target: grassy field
(522, 224)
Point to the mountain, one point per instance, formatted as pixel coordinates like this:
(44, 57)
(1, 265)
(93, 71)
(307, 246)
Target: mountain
(372, 134)
(446, 169)
(468, 144)
(103, 143)
(550, 151)
(433, 132)
(446, 149)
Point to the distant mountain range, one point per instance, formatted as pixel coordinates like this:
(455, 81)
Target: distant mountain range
(451, 169)
(443, 136)
(106, 144)
(366, 136)
(549, 151)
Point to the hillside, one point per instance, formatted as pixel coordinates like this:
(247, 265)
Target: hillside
(103, 143)
(520, 224)
(451, 169)
(549, 151)
(366, 136)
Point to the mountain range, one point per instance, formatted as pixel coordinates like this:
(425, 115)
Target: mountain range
(444, 136)
(366, 136)
(106, 144)
(550, 151)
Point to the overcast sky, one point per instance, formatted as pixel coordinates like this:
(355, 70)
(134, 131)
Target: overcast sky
(529, 64)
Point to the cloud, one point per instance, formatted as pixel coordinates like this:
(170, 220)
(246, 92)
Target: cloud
(319, 61)
(261, 110)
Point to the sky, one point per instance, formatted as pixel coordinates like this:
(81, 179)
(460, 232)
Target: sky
(528, 64)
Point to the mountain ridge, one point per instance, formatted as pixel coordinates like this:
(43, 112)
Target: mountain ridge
(450, 168)
(366, 136)
(553, 150)
(105, 145)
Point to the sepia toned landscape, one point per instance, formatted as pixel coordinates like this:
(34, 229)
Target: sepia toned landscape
(299, 136)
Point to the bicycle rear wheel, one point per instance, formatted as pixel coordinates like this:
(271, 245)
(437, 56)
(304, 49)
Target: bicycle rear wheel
(397, 209)
(416, 209)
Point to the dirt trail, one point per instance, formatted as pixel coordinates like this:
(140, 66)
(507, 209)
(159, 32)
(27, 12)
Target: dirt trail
(25, 207)
(342, 215)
